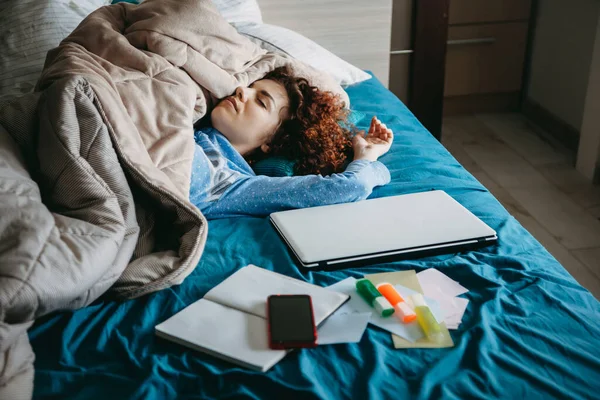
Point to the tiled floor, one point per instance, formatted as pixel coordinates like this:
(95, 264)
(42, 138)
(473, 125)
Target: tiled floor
(534, 178)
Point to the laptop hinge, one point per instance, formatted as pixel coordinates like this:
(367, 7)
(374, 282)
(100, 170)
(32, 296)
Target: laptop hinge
(322, 264)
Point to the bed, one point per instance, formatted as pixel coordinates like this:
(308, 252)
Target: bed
(530, 329)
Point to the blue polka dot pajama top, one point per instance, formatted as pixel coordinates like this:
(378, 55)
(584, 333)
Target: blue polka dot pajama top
(224, 185)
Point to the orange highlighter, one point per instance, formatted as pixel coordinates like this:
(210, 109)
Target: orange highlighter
(403, 311)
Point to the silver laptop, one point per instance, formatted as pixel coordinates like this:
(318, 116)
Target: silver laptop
(381, 229)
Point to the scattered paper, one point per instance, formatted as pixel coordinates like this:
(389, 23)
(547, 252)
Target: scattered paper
(432, 277)
(356, 304)
(441, 288)
(407, 284)
(343, 328)
(455, 308)
(436, 310)
(440, 294)
(433, 284)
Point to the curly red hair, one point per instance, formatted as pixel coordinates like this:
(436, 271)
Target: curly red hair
(316, 134)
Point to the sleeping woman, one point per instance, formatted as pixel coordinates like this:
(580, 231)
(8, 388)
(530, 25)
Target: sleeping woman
(281, 115)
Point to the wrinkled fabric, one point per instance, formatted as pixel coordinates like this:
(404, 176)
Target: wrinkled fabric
(96, 164)
(530, 330)
(67, 219)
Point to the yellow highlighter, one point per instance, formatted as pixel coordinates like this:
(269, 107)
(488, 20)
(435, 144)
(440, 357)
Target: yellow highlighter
(432, 329)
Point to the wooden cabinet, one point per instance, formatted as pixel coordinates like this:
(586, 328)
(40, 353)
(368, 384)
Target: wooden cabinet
(485, 58)
(458, 56)
(478, 11)
(485, 55)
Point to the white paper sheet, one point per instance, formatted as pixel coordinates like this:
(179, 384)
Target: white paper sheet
(455, 307)
(356, 304)
(433, 278)
(223, 332)
(442, 289)
(248, 288)
(229, 322)
(343, 328)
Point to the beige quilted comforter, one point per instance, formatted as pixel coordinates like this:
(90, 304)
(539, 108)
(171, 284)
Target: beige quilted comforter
(95, 165)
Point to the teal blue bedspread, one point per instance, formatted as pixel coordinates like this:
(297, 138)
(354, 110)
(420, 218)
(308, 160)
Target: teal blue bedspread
(530, 330)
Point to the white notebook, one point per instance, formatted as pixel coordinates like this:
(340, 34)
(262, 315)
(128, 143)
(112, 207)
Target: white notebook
(230, 321)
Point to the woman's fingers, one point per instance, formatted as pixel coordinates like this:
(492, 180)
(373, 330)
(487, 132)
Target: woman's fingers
(383, 132)
(380, 130)
(373, 125)
(376, 127)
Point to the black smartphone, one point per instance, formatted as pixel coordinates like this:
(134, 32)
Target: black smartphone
(291, 321)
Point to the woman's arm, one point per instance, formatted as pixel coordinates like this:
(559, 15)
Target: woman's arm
(262, 195)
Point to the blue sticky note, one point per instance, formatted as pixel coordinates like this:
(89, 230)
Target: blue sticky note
(433, 305)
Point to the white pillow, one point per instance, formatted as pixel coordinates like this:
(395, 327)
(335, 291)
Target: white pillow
(235, 11)
(277, 38)
(28, 29)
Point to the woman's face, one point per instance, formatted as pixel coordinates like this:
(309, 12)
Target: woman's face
(250, 117)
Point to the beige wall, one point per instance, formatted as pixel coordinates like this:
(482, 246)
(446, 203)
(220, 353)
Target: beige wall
(561, 55)
(358, 31)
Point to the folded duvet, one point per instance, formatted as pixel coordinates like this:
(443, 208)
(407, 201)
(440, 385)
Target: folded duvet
(95, 165)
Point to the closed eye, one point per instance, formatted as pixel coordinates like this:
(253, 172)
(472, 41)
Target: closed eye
(262, 103)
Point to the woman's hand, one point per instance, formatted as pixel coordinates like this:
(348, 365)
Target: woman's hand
(375, 144)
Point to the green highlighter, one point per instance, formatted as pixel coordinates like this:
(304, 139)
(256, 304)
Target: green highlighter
(371, 295)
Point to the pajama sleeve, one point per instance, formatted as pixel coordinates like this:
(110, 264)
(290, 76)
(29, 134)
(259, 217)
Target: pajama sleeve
(262, 195)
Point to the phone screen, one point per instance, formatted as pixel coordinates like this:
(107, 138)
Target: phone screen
(291, 319)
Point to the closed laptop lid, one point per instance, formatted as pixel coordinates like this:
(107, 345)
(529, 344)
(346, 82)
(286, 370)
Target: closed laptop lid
(348, 230)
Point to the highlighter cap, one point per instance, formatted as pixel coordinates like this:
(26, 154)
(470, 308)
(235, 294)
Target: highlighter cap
(367, 290)
(418, 300)
(390, 293)
(405, 313)
(383, 307)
